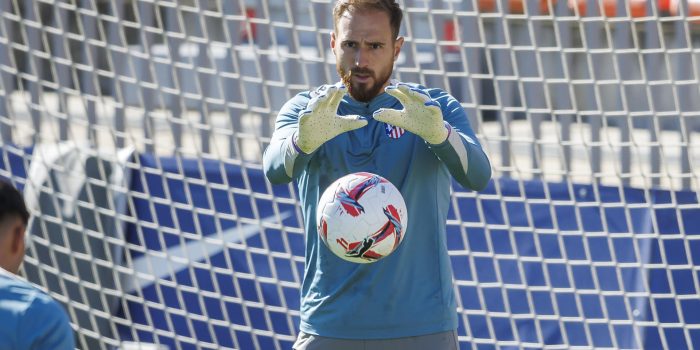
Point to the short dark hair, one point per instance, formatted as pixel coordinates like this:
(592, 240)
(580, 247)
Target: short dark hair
(391, 7)
(12, 202)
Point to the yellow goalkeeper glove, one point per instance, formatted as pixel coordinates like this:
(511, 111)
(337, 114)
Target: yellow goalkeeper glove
(320, 121)
(420, 115)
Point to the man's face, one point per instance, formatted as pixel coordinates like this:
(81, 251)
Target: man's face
(12, 231)
(365, 51)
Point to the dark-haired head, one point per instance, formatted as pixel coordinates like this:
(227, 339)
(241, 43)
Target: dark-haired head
(12, 203)
(391, 7)
(13, 224)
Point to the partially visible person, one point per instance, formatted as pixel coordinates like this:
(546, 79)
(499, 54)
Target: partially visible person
(29, 318)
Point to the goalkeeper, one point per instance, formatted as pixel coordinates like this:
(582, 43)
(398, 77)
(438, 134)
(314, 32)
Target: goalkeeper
(417, 138)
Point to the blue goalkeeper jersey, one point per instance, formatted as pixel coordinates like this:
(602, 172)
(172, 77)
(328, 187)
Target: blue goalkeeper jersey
(409, 292)
(30, 318)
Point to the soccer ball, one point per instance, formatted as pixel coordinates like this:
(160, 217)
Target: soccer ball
(361, 217)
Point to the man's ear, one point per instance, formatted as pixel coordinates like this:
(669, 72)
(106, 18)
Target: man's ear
(333, 41)
(397, 47)
(17, 232)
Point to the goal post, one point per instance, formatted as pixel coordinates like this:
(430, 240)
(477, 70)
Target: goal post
(135, 129)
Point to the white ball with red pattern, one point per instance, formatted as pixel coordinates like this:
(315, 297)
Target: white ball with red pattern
(361, 217)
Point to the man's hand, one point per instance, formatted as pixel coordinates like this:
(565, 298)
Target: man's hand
(420, 114)
(320, 121)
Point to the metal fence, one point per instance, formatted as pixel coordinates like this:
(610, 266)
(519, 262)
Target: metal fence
(209, 65)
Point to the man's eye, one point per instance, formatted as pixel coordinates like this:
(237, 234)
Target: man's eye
(376, 46)
(350, 45)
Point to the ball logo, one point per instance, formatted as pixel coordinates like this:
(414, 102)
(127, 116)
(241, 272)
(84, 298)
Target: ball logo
(363, 249)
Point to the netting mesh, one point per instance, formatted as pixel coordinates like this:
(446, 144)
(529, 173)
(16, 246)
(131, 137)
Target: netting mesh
(135, 129)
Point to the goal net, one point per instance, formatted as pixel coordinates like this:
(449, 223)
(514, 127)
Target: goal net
(135, 129)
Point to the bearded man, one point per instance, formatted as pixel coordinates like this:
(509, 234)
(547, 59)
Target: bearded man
(416, 137)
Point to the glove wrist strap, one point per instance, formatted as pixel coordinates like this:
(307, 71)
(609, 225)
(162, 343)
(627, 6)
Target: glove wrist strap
(294, 144)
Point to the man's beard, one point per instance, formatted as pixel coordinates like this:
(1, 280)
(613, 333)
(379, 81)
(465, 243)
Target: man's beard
(362, 92)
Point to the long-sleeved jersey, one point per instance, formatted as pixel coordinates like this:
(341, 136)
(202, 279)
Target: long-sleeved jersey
(409, 292)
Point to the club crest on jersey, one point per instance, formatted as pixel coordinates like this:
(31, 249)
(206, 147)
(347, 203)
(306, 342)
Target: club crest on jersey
(393, 132)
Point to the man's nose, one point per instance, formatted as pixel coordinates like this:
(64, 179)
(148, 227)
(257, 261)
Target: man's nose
(362, 58)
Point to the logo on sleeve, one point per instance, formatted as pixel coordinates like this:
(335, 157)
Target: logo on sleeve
(393, 132)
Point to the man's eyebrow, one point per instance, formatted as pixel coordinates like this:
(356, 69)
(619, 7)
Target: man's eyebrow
(365, 42)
